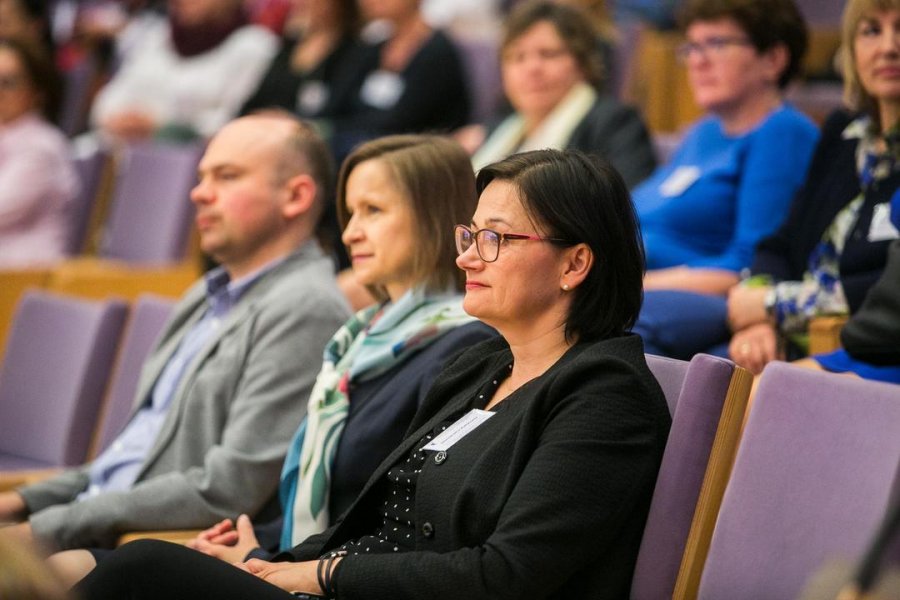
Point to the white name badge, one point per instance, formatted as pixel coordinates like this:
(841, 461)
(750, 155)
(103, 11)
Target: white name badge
(881, 228)
(382, 89)
(681, 179)
(465, 425)
(312, 96)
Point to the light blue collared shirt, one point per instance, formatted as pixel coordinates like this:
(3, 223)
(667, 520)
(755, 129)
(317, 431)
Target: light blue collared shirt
(118, 466)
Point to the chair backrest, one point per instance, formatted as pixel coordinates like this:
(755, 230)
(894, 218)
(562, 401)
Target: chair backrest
(79, 82)
(810, 483)
(89, 166)
(55, 369)
(822, 12)
(707, 413)
(670, 374)
(148, 316)
(482, 65)
(151, 214)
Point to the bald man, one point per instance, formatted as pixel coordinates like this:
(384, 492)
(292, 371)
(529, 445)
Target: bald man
(226, 386)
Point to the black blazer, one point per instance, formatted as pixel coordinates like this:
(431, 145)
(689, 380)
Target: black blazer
(547, 499)
(873, 333)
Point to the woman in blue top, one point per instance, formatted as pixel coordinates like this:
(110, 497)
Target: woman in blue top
(731, 180)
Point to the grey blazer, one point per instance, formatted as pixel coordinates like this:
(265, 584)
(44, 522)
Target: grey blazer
(220, 449)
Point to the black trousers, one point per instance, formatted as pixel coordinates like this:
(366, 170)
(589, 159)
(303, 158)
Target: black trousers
(153, 569)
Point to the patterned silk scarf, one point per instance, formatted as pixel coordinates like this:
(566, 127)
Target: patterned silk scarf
(371, 343)
(820, 292)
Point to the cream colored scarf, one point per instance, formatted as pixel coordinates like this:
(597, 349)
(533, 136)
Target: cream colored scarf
(553, 132)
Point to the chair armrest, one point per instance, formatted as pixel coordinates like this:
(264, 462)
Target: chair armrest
(99, 278)
(177, 536)
(825, 333)
(10, 480)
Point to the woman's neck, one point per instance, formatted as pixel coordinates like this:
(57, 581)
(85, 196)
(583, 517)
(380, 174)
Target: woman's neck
(888, 113)
(314, 46)
(532, 357)
(410, 32)
(748, 115)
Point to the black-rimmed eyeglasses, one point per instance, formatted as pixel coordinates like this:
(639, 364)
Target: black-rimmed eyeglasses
(710, 47)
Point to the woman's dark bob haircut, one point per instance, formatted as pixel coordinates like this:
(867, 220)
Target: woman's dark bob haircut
(572, 196)
(767, 23)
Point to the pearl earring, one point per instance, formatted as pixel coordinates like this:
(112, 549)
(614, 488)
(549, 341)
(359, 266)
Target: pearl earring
(565, 287)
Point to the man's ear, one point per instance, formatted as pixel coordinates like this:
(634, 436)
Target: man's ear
(578, 262)
(301, 192)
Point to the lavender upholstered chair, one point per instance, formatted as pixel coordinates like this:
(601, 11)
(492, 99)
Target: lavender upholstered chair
(707, 398)
(89, 167)
(482, 66)
(151, 214)
(811, 482)
(148, 316)
(55, 369)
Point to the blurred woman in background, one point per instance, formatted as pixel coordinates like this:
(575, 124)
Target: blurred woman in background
(731, 181)
(305, 75)
(552, 73)
(187, 75)
(37, 179)
(410, 80)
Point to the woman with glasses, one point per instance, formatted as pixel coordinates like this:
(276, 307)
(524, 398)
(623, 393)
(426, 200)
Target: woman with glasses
(553, 77)
(528, 471)
(394, 197)
(38, 183)
(731, 180)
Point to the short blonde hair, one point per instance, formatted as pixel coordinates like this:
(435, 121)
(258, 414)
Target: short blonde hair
(855, 96)
(436, 177)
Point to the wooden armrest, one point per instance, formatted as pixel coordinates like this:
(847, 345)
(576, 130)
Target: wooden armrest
(98, 278)
(177, 536)
(10, 480)
(825, 333)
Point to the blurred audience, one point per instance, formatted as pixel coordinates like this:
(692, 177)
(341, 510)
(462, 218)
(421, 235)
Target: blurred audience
(187, 75)
(409, 78)
(728, 183)
(731, 180)
(833, 245)
(37, 179)
(552, 71)
(304, 77)
(28, 21)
